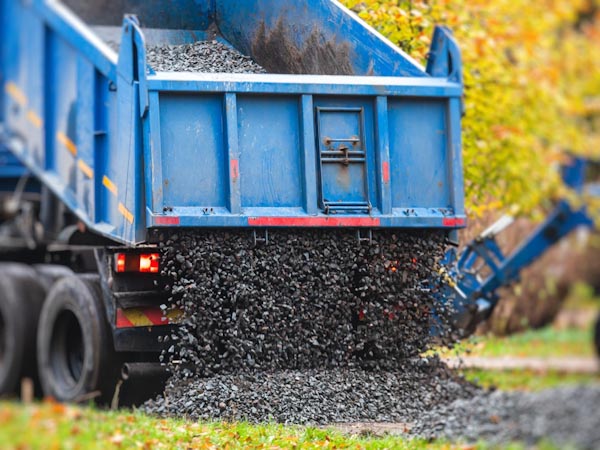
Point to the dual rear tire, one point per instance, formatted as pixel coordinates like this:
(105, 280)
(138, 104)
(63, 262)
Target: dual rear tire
(74, 346)
(21, 299)
(53, 329)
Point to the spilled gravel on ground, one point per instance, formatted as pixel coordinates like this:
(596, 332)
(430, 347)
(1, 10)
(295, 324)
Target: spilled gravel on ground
(315, 396)
(566, 416)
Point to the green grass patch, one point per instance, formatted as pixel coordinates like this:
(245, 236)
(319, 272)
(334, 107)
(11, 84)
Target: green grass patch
(542, 343)
(526, 380)
(51, 425)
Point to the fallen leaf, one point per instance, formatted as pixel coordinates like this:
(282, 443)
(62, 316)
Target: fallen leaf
(117, 439)
(495, 419)
(58, 408)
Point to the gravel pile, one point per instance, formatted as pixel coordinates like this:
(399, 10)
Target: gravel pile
(315, 396)
(309, 327)
(565, 416)
(202, 56)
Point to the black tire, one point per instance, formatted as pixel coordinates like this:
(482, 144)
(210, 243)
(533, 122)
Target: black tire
(49, 274)
(76, 355)
(21, 299)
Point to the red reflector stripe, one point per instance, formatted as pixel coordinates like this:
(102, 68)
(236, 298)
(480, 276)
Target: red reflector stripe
(454, 222)
(122, 320)
(314, 222)
(146, 317)
(166, 220)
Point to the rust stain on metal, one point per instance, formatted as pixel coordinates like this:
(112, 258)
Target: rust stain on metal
(344, 179)
(278, 53)
(385, 169)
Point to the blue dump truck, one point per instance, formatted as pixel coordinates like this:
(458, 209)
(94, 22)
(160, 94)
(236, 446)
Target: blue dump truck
(103, 158)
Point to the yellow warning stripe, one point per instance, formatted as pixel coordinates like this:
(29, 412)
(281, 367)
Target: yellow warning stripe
(175, 316)
(112, 187)
(125, 213)
(68, 143)
(87, 170)
(16, 94)
(137, 317)
(35, 120)
(108, 184)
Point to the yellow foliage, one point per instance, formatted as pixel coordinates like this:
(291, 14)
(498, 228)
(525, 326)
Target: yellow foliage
(532, 80)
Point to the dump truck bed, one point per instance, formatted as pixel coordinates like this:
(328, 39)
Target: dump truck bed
(362, 137)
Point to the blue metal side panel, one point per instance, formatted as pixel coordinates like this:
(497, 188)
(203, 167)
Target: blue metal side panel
(239, 159)
(85, 134)
(124, 167)
(3, 51)
(61, 116)
(168, 14)
(105, 108)
(310, 36)
(62, 111)
(61, 21)
(419, 153)
(269, 166)
(10, 167)
(193, 150)
(23, 78)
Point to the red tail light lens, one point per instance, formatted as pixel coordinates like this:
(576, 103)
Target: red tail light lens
(149, 263)
(120, 263)
(141, 263)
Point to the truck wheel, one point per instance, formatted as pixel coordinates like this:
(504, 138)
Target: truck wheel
(21, 298)
(51, 273)
(75, 349)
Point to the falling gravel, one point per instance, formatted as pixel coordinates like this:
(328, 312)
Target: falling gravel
(202, 56)
(565, 416)
(309, 326)
(301, 300)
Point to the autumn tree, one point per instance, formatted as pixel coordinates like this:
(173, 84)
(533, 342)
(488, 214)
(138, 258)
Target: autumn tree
(532, 71)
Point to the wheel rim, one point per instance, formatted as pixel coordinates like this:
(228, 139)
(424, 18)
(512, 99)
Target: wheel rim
(67, 351)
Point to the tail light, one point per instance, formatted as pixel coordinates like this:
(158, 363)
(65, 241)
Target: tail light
(141, 263)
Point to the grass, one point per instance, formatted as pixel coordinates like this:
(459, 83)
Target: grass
(543, 343)
(53, 426)
(527, 380)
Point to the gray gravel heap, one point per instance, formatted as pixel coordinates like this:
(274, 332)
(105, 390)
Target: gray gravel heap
(309, 327)
(314, 396)
(310, 299)
(564, 416)
(202, 56)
